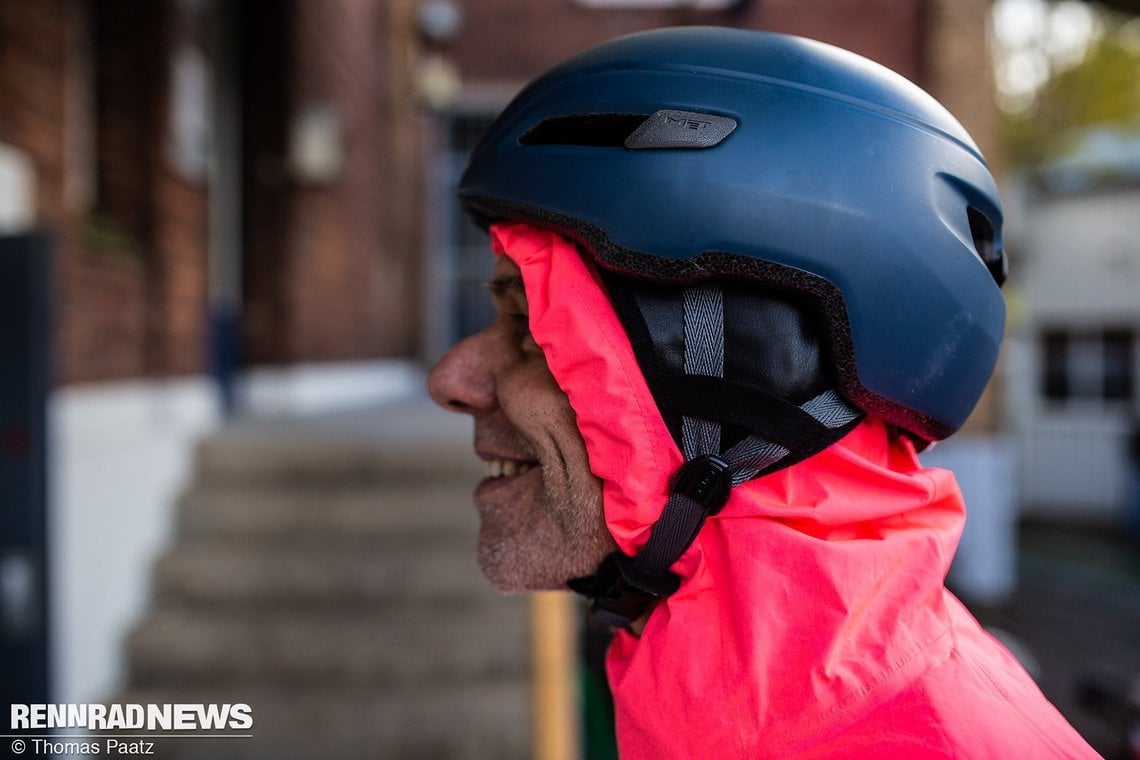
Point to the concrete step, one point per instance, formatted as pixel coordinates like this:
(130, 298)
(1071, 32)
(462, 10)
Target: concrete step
(372, 509)
(314, 573)
(351, 648)
(478, 722)
(243, 456)
(325, 574)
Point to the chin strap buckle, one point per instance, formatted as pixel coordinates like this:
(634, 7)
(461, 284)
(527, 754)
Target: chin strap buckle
(624, 587)
(618, 594)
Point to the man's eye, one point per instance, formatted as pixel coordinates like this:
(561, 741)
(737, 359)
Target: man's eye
(521, 325)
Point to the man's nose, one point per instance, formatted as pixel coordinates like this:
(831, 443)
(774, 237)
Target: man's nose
(462, 380)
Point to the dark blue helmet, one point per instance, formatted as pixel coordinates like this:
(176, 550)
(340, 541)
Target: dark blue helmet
(692, 154)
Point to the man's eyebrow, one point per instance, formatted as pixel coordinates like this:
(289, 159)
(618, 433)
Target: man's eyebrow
(506, 284)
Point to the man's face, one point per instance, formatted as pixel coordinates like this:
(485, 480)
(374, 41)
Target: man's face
(540, 507)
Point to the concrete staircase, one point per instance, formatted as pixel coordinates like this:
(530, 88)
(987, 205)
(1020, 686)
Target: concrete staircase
(324, 574)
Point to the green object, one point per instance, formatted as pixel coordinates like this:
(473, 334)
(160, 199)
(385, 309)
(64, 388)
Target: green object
(599, 739)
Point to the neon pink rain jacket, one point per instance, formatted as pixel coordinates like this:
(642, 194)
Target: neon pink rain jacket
(812, 620)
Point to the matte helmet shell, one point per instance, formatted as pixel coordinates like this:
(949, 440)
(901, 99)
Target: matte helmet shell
(826, 174)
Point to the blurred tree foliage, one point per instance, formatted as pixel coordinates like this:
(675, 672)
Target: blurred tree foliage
(1102, 89)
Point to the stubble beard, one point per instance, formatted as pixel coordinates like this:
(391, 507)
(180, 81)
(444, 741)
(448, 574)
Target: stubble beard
(548, 535)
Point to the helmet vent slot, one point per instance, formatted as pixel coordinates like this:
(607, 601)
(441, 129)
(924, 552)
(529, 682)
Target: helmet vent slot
(982, 230)
(596, 130)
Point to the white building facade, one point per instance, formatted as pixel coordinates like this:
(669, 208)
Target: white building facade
(1073, 349)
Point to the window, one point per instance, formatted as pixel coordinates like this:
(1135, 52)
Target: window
(1088, 364)
(466, 252)
(1119, 364)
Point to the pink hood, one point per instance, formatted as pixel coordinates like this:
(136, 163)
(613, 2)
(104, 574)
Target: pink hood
(812, 620)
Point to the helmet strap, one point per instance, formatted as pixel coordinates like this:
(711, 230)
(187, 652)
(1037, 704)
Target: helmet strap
(624, 588)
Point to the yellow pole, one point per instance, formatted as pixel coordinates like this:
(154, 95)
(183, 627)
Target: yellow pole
(556, 709)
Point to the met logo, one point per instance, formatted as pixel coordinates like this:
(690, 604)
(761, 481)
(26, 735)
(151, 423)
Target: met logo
(686, 122)
(673, 129)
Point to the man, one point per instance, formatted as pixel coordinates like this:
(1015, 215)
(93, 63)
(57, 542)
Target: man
(741, 279)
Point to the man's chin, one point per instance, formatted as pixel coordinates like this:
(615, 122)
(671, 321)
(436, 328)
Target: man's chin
(507, 574)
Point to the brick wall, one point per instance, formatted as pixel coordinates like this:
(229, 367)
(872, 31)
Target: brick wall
(332, 269)
(506, 39)
(328, 277)
(86, 92)
(958, 65)
(347, 285)
(130, 235)
(31, 104)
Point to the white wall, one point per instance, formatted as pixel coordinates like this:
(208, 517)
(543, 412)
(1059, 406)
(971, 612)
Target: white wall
(1076, 266)
(985, 567)
(119, 455)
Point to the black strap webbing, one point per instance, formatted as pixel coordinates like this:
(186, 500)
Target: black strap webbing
(624, 587)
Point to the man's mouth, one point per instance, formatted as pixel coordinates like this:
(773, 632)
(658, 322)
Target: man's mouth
(505, 468)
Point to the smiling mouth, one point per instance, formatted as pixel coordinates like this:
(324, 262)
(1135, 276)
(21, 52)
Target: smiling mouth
(505, 468)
